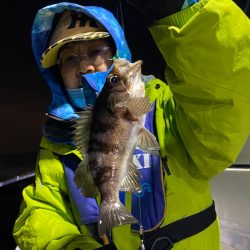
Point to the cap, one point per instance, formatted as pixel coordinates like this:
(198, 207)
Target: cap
(72, 27)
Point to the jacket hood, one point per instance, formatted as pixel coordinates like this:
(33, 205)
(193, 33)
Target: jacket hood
(42, 27)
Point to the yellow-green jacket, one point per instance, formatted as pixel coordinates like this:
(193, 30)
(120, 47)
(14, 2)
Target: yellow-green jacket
(202, 124)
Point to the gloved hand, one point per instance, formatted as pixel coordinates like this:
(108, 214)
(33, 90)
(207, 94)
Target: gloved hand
(156, 9)
(110, 246)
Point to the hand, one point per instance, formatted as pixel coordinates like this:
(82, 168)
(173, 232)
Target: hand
(156, 9)
(110, 246)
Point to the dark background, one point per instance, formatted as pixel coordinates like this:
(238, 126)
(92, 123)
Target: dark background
(24, 96)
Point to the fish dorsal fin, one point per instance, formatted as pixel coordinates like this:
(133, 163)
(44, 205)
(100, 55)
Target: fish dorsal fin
(147, 142)
(84, 180)
(82, 130)
(138, 106)
(130, 181)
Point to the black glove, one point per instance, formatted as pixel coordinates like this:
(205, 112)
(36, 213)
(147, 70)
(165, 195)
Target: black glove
(110, 246)
(156, 9)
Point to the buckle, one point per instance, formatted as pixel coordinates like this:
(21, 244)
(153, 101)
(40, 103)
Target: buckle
(162, 243)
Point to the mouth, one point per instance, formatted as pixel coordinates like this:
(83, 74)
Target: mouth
(137, 66)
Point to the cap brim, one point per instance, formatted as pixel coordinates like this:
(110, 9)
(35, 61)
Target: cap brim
(49, 57)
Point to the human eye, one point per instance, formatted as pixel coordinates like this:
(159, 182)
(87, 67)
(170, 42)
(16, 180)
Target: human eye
(95, 52)
(69, 61)
(99, 51)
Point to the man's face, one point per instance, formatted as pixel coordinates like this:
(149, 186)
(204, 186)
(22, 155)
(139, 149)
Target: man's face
(84, 57)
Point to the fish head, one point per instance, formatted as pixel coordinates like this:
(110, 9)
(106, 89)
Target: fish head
(124, 81)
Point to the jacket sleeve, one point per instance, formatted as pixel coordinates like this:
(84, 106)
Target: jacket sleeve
(207, 52)
(46, 220)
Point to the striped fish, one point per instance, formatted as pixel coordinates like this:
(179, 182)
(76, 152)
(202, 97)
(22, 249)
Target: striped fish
(107, 136)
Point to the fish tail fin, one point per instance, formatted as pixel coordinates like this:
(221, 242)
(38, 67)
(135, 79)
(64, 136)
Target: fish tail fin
(112, 215)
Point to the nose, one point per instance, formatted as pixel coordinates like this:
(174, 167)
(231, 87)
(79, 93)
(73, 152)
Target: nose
(86, 67)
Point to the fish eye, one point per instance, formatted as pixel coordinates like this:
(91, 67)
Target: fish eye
(113, 79)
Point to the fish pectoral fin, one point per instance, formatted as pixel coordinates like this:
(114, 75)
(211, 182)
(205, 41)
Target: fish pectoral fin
(147, 142)
(82, 130)
(113, 214)
(84, 180)
(131, 180)
(116, 103)
(138, 106)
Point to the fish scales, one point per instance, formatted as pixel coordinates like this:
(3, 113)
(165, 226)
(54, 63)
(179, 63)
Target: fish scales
(107, 147)
(116, 128)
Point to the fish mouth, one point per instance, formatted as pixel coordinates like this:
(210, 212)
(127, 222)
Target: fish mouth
(130, 77)
(135, 76)
(137, 66)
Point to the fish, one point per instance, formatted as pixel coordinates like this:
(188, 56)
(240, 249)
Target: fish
(107, 135)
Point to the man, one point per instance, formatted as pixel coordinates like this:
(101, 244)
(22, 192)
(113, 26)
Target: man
(201, 124)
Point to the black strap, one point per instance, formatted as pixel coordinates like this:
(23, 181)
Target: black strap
(110, 246)
(58, 131)
(165, 237)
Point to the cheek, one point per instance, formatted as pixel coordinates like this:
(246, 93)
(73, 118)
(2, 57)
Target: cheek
(104, 64)
(109, 63)
(70, 79)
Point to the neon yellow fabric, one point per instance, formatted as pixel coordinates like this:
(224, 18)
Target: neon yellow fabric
(208, 73)
(202, 124)
(46, 220)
